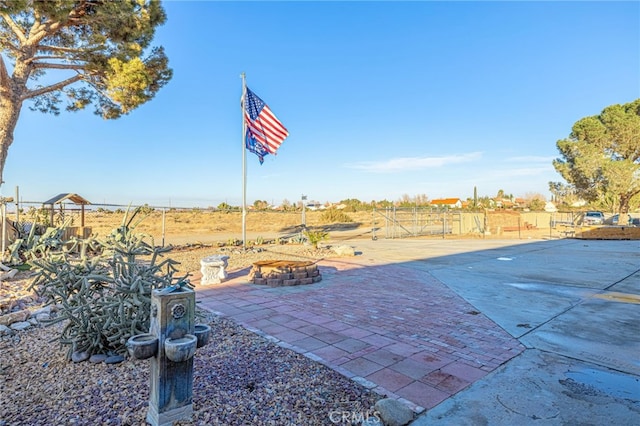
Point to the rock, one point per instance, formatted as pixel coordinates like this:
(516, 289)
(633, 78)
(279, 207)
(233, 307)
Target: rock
(33, 321)
(20, 325)
(7, 275)
(97, 358)
(80, 356)
(371, 421)
(5, 331)
(344, 250)
(43, 317)
(393, 412)
(45, 310)
(114, 359)
(18, 316)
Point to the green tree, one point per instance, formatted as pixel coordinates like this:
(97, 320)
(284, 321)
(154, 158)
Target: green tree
(89, 51)
(382, 204)
(475, 197)
(535, 201)
(601, 156)
(260, 204)
(353, 204)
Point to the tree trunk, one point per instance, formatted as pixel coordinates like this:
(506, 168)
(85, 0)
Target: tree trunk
(624, 205)
(10, 105)
(9, 113)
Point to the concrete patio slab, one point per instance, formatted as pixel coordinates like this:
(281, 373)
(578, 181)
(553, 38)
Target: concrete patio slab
(443, 325)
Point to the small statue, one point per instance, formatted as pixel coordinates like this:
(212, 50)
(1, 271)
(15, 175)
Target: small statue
(177, 286)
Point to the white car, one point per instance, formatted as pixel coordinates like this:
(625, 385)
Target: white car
(593, 218)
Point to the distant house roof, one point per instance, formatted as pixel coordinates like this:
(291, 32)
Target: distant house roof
(75, 198)
(447, 202)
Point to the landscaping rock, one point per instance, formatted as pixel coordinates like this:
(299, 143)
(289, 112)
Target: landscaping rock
(97, 358)
(344, 250)
(20, 325)
(8, 275)
(5, 331)
(393, 412)
(43, 317)
(80, 356)
(18, 316)
(44, 310)
(372, 421)
(114, 359)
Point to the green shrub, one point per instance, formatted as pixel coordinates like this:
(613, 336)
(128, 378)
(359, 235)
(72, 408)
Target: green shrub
(234, 242)
(315, 237)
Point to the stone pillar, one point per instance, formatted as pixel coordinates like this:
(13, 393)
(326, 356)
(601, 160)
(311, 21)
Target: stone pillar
(171, 382)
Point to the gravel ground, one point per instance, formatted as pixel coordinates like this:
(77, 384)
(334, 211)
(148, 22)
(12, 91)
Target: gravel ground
(189, 256)
(240, 378)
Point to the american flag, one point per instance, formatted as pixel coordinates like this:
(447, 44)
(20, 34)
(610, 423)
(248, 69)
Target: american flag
(265, 133)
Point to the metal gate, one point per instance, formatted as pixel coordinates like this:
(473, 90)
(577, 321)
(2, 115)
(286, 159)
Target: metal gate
(394, 222)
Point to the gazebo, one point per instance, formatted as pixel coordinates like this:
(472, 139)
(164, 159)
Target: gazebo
(61, 198)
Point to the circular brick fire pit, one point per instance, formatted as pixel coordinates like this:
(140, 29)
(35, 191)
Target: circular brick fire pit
(278, 273)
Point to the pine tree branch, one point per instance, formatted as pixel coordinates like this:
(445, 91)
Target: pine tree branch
(41, 30)
(4, 77)
(52, 88)
(57, 66)
(14, 27)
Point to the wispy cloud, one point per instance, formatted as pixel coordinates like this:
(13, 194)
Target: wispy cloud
(413, 163)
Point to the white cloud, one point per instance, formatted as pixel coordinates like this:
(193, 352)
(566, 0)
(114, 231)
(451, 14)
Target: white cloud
(413, 163)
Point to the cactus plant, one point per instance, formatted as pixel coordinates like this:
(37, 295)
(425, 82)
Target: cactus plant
(103, 291)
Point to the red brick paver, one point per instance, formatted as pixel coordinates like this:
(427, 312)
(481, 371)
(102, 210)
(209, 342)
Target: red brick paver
(391, 325)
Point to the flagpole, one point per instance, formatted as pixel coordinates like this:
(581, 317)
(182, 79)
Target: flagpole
(244, 166)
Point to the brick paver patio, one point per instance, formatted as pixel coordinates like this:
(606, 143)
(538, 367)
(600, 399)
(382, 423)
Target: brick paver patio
(391, 327)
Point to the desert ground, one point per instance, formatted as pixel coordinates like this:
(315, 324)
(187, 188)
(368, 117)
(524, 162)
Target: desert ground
(195, 233)
(208, 227)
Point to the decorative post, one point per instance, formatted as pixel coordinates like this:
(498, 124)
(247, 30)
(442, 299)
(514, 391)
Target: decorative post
(171, 343)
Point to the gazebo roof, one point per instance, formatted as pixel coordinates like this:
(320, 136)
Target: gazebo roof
(75, 198)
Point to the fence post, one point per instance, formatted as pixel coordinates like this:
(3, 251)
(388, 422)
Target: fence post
(444, 223)
(163, 225)
(17, 205)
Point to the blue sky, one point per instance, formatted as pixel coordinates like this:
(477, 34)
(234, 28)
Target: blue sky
(381, 99)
